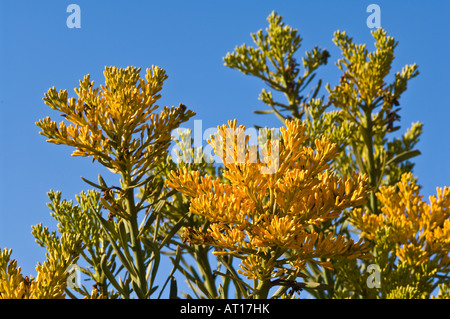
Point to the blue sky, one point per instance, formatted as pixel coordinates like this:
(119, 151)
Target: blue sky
(188, 39)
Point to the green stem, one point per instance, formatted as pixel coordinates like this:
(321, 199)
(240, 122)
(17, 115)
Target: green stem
(205, 269)
(368, 140)
(262, 290)
(293, 107)
(136, 244)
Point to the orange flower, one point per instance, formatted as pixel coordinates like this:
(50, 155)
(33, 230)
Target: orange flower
(269, 201)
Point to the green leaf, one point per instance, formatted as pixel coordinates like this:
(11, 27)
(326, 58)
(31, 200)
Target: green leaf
(109, 207)
(152, 290)
(234, 276)
(151, 217)
(314, 285)
(310, 77)
(175, 263)
(278, 114)
(109, 229)
(319, 84)
(112, 278)
(147, 222)
(124, 238)
(173, 231)
(92, 183)
(221, 292)
(108, 226)
(403, 157)
(137, 289)
(201, 285)
(124, 234)
(153, 265)
(358, 158)
(101, 181)
(264, 112)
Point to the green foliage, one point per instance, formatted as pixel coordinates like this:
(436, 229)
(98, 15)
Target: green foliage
(273, 61)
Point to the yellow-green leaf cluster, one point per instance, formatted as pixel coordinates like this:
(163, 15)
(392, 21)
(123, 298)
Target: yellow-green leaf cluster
(367, 101)
(273, 61)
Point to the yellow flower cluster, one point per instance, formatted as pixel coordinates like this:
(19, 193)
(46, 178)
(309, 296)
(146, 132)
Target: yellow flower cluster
(419, 231)
(116, 123)
(52, 275)
(271, 200)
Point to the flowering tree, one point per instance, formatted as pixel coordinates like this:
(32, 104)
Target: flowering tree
(283, 208)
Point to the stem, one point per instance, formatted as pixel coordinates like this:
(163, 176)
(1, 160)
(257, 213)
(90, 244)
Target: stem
(293, 107)
(262, 291)
(205, 268)
(373, 180)
(328, 278)
(136, 244)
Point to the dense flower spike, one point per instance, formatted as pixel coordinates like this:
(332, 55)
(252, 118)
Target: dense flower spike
(420, 231)
(371, 105)
(259, 216)
(116, 123)
(361, 112)
(411, 239)
(52, 275)
(273, 60)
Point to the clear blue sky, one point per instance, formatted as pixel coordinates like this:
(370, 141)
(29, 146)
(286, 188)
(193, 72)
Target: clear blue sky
(188, 39)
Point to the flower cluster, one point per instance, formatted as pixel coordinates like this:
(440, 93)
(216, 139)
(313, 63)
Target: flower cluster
(265, 211)
(116, 123)
(52, 276)
(419, 231)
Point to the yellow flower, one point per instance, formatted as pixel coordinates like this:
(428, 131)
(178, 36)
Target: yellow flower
(52, 274)
(272, 196)
(421, 231)
(116, 123)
